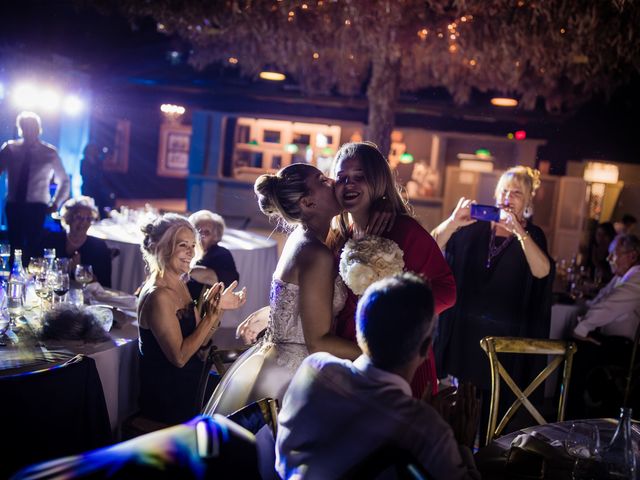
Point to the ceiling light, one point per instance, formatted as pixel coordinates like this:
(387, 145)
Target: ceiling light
(274, 76)
(504, 102)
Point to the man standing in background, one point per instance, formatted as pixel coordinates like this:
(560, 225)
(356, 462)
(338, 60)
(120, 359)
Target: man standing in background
(31, 165)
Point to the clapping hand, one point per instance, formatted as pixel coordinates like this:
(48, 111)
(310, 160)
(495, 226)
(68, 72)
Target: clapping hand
(210, 308)
(231, 300)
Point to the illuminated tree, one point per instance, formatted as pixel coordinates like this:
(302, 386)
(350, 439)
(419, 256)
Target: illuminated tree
(559, 52)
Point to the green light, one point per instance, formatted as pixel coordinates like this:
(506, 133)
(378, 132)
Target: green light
(406, 158)
(253, 142)
(291, 148)
(483, 153)
(327, 151)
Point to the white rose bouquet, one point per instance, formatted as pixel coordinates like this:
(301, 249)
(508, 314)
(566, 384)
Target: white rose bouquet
(368, 260)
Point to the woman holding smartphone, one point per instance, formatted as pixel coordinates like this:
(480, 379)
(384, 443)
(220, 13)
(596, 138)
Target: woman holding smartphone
(504, 276)
(172, 329)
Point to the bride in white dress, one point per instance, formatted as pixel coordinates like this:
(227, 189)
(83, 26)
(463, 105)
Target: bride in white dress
(306, 292)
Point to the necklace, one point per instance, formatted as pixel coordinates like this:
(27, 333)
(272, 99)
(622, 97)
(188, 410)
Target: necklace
(495, 250)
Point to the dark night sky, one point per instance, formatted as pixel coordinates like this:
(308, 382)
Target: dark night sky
(106, 46)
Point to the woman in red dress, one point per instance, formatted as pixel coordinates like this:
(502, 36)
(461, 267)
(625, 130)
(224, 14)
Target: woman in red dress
(362, 176)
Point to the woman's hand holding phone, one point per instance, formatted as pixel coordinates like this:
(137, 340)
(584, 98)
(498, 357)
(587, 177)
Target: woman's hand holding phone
(461, 216)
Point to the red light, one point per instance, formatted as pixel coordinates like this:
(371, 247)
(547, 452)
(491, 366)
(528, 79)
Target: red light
(521, 135)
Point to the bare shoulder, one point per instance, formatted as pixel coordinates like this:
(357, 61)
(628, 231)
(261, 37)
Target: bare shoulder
(313, 252)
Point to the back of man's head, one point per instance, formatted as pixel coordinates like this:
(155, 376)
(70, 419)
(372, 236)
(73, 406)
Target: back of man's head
(394, 319)
(29, 125)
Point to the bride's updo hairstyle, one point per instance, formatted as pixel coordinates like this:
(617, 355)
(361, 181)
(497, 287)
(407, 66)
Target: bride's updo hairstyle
(279, 195)
(160, 240)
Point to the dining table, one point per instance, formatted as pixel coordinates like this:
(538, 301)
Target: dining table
(23, 349)
(255, 257)
(518, 454)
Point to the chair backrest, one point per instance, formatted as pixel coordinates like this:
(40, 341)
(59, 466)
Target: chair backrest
(563, 352)
(256, 414)
(56, 411)
(632, 362)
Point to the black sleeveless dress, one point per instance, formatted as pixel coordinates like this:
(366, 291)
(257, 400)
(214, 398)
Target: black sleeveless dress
(167, 393)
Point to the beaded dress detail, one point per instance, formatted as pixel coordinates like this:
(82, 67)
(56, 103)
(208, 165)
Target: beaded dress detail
(266, 369)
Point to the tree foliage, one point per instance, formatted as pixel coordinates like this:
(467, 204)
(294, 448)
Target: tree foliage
(557, 51)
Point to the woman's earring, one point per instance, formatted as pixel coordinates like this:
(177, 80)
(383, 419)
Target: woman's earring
(528, 211)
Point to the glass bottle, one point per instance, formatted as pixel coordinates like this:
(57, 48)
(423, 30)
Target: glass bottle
(17, 286)
(619, 456)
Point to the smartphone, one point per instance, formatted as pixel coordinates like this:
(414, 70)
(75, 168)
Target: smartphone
(487, 213)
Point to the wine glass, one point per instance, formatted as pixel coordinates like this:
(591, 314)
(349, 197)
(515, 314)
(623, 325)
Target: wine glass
(36, 266)
(84, 275)
(60, 284)
(42, 289)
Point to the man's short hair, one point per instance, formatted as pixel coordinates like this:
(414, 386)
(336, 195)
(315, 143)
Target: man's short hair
(393, 319)
(628, 243)
(28, 117)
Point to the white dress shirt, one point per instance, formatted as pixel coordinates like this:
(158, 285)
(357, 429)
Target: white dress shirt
(613, 308)
(45, 166)
(336, 412)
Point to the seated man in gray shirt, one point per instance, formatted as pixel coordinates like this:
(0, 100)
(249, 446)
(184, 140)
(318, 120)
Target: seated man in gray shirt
(336, 413)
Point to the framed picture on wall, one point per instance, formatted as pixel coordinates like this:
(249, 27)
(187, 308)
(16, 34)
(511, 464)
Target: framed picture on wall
(173, 150)
(118, 159)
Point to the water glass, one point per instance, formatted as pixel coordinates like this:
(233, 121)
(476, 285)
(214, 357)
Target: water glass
(5, 253)
(50, 256)
(15, 301)
(583, 440)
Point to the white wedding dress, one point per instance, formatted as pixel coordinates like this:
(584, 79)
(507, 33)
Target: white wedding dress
(266, 369)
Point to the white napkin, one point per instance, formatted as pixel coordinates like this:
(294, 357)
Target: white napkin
(99, 294)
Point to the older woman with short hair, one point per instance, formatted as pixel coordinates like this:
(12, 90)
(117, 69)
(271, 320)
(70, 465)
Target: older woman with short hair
(77, 214)
(213, 262)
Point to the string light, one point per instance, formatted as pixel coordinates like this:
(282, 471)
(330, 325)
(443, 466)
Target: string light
(316, 55)
(233, 60)
(423, 34)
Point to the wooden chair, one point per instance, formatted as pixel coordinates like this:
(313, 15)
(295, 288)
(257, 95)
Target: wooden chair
(563, 352)
(256, 414)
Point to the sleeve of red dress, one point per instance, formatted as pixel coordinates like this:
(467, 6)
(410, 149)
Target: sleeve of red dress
(422, 255)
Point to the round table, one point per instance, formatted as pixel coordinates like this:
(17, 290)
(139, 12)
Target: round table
(255, 256)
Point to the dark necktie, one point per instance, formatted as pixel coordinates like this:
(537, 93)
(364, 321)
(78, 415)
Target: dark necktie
(23, 180)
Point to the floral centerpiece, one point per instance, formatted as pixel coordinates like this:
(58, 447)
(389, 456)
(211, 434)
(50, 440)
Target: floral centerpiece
(369, 259)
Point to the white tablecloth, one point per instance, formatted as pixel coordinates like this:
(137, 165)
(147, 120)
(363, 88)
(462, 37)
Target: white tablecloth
(255, 256)
(562, 317)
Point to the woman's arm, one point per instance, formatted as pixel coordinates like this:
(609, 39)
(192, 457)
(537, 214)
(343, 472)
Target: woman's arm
(159, 314)
(316, 276)
(537, 259)
(203, 275)
(460, 217)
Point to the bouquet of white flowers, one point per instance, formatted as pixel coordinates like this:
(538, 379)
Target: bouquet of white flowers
(369, 259)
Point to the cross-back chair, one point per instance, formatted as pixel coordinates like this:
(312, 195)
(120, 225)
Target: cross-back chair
(563, 352)
(256, 414)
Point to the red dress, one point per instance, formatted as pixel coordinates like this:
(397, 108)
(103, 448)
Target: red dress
(421, 255)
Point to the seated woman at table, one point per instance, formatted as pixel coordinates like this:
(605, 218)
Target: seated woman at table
(306, 291)
(172, 330)
(504, 277)
(214, 263)
(77, 214)
(605, 334)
